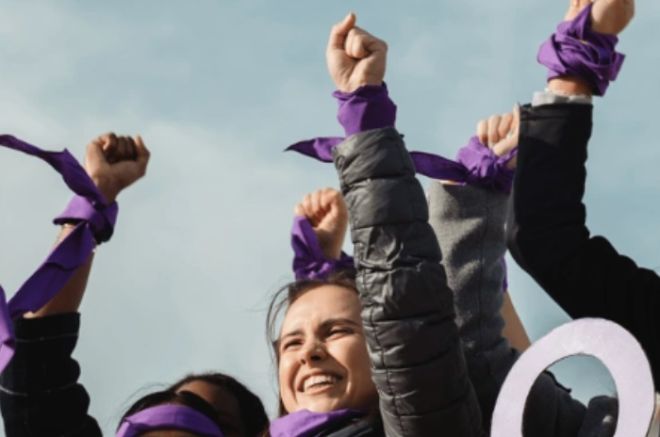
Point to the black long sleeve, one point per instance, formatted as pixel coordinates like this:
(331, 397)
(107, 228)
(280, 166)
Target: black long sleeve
(585, 275)
(39, 391)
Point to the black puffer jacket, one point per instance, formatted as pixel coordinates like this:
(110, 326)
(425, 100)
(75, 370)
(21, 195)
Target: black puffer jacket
(408, 312)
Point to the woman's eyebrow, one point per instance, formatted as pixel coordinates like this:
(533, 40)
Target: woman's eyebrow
(339, 321)
(293, 333)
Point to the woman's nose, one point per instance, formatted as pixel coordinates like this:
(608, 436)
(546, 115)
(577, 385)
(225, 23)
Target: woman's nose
(313, 351)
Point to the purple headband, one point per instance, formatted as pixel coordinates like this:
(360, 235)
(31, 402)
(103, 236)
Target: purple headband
(576, 50)
(476, 164)
(304, 423)
(96, 221)
(309, 262)
(168, 416)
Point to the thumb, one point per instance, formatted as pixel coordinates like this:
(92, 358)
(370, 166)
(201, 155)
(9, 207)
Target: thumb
(340, 30)
(95, 153)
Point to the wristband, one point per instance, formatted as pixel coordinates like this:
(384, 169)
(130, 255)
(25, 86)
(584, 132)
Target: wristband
(576, 50)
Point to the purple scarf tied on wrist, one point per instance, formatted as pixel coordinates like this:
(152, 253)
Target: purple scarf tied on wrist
(476, 164)
(95, 220)
(304, 423)
(169, 416)
(576, 50)
(309, 262)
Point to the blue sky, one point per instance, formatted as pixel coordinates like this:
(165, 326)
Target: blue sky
(218, 89)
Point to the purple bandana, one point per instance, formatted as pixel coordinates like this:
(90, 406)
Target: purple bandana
(96, 221)
(309, 262)
(476, 164)
(368, 107)
(576, 50)
(169, 416)
(304, 423)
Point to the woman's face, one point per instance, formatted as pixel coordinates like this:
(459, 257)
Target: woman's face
(324, 365)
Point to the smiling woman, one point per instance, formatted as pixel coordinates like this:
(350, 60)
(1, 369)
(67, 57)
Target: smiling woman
(323, 359)
(320, 349)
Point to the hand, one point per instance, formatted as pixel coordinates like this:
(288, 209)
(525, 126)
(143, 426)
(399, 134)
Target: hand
(607, 16)
(114, 163)
(327, 212)
(355, 57)
(500, 133)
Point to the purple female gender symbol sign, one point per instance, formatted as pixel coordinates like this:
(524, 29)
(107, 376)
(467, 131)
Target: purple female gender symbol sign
(615, 347)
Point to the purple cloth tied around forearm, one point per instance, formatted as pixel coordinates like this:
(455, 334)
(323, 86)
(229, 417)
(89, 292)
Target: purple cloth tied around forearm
(169, 417)
(304, 423)
(96, 222)
(475, 165)
(309, 262)
(368, 107)
(576, 50)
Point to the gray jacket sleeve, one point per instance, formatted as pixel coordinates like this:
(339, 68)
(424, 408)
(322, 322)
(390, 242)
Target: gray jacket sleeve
(408, 311)
(469, 223)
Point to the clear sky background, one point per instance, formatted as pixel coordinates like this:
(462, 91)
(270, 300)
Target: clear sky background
(218, 89)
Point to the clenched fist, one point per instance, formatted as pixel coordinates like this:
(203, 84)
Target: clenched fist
(355, 57)
(326, 211)
(113, 163)
(500, 133)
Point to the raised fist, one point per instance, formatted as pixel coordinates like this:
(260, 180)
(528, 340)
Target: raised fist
(607, 16)
(114, 163)
(327, 212)
(355, 57)
(500, 133)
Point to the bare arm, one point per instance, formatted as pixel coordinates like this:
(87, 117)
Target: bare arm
(113, 163)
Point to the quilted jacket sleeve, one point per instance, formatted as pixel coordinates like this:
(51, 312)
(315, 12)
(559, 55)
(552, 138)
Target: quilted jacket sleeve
(408, 311)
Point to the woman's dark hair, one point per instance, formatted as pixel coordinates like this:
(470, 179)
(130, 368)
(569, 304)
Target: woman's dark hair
(286, 296)
(163, 397)
(252, 413)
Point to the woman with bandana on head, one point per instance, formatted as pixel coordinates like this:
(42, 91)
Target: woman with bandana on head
(40, 394)
(378, 354)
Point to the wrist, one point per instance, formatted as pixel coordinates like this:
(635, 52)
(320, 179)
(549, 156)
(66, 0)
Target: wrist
(570, 86)
(108, 189)
(367, 107)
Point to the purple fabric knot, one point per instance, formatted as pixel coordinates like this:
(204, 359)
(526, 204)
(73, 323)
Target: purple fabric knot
(576, 50)
(169, 416)
(101, 218)
(475, 164)
(369, 107)
(69, 254)
(317, 148)
(309, 262)
(304, 423)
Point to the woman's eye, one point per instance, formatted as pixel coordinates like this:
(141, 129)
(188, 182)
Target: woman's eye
(291, 344)
(335, 332)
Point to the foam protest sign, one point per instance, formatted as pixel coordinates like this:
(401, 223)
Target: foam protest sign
(615, 347)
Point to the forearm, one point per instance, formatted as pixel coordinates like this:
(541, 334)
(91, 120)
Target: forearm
(69, 298)
(407, 307)
(549, 185)
(586, 276)
(39, 390)
(469, 225)
(514, 331)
